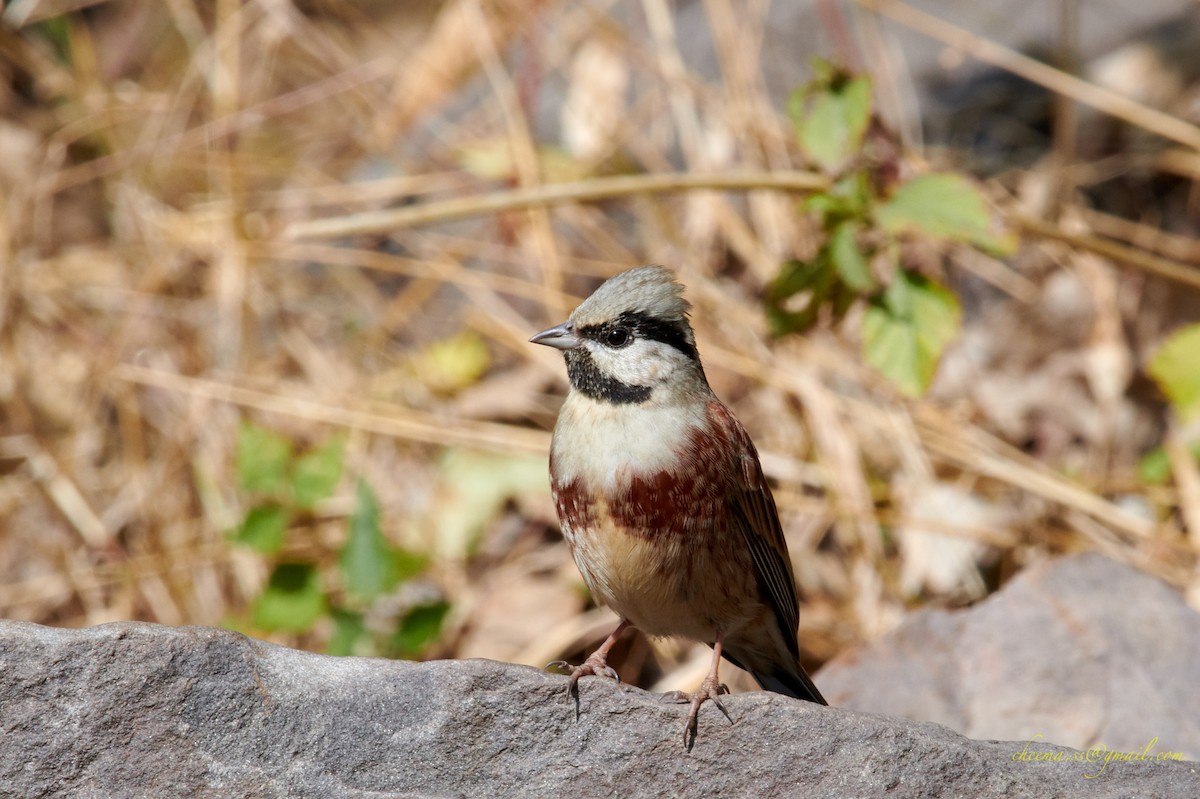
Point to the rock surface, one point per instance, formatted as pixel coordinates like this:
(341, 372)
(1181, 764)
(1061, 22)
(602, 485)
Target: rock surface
(1081, 650)
(134, 710)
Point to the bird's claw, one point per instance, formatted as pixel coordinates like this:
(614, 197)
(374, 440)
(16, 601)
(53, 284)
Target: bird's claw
(684, 697)
(709, 691)
(594, 666)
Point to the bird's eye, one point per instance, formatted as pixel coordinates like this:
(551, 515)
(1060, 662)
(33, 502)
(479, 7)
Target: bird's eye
(617, 337)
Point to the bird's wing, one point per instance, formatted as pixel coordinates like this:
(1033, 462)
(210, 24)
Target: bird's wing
(758, 520)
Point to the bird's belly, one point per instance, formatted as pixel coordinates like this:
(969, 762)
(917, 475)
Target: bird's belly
(665, 587)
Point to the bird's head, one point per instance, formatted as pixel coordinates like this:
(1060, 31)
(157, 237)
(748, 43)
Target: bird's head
(630, 341)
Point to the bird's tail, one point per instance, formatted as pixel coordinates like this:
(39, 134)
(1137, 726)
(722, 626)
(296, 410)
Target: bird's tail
(795, 684)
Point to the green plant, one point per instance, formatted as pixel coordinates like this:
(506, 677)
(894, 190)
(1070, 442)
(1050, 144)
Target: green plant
(283, 487)
(1175, 367)
(868, 220)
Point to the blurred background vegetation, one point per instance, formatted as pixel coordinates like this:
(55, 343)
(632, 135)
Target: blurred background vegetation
(268, 268)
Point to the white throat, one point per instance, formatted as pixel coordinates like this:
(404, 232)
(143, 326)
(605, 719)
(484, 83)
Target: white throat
(605, 443)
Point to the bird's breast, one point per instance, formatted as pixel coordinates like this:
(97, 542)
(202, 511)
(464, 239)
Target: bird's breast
(650, 472)
(649, 524)
(602, 444)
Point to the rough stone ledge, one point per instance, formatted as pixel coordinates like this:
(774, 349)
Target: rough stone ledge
(134, 709)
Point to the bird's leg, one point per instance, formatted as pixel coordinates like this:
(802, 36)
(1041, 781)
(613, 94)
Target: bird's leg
(712, 689)
(596, 664)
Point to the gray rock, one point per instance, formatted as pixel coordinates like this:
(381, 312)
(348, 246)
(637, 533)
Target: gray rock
(136, 710)
(1081, 650)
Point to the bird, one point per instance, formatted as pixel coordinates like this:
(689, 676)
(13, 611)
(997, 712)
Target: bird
(661, 497)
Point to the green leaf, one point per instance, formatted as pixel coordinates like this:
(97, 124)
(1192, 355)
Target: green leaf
(292, 601)
(906, 330)
(1154, 468)
(943, 206)
(831, 120)
(846, 200)
(825, 72)
(473, 488)
(419, 628)
(1176, 370)
(349, 633)
(316, 473)
(408, 564)
(854, 192)
(492, 159)
(841, 300)
(824, 204)
(797, 276)
(454, 363)
(262, 459)
(57, 31)
(814, 278)
(263, 528)
(367, 563)
(849, 260)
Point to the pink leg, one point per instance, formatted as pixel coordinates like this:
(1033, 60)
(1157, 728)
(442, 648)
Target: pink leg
(712, 689)
(597, 662)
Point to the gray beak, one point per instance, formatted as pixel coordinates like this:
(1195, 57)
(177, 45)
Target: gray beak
(560, 337)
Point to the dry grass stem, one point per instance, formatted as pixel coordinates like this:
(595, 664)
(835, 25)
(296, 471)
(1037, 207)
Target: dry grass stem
(1147, 262)
(983, 49)
(395, 421)
(553, 194)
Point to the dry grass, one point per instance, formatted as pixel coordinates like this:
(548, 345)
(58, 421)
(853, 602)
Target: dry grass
(228, 211)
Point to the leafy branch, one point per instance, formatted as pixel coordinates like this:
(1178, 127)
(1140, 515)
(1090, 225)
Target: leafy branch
(284, 487)
(868, 219)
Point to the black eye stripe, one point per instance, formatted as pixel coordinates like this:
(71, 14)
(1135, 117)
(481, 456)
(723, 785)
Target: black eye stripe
(642, 325)
(673, 334)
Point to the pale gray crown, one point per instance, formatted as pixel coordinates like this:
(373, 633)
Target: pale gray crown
(650, 290)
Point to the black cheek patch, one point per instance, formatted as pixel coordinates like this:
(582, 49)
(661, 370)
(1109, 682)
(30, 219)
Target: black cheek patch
(587, 377)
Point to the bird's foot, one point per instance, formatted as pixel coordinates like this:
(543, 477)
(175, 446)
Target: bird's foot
(709, 690)
(595, 666)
